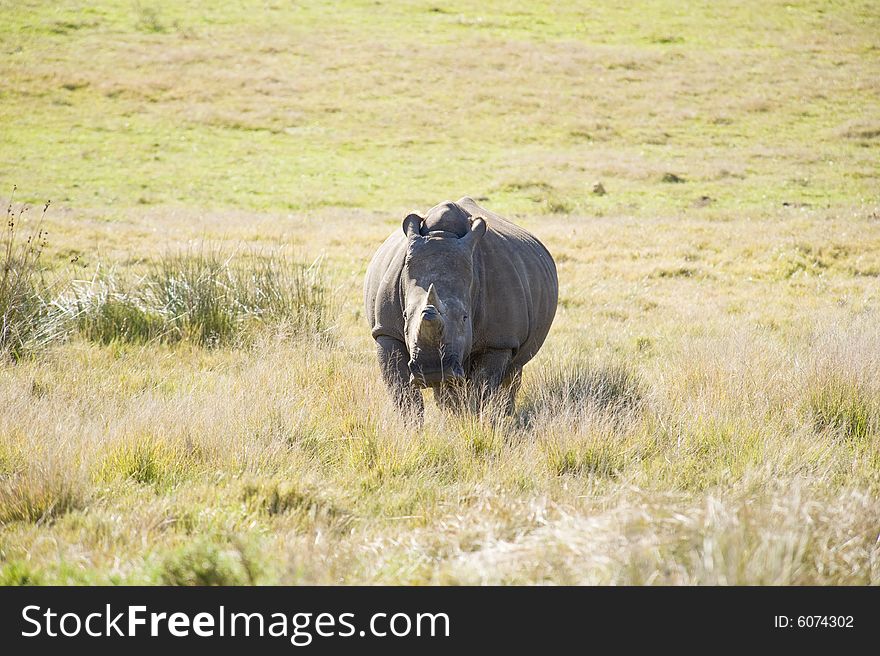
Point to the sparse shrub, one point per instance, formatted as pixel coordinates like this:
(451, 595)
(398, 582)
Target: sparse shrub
(149, 21)
(556, 205)
(204, 563)
(18, 572)
(27, 321)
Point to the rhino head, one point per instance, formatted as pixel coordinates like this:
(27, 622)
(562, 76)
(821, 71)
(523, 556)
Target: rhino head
(438, 288)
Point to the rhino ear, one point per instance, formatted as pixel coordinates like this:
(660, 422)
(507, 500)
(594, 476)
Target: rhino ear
(412, 225)
(478, 229)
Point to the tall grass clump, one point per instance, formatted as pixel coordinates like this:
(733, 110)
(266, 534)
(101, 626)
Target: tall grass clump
(106, 312)
(581, 387)
(203, 562)
(843, 387)
(148, 461)
(40, 492)
(844, 408)
(208, 297)
(27, 321)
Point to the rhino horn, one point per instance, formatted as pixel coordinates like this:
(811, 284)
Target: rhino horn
(434, 300)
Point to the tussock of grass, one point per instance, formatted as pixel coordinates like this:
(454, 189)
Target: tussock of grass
(305, 507)
(106, 316)
(483, 436)
(645, 539)
(204, 562)
(18, 572)
(844, 408)
(843, 389)
(208, 297)
(808, 260)
(40, 493)
(147, 460)
(589, 459)
(12, 457)
(580, 387)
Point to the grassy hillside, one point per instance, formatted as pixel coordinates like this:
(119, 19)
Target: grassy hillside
(706, 408)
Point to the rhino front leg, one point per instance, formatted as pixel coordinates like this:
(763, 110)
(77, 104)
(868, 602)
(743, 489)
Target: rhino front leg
(511, 385)
(393, 359)
(489, 370)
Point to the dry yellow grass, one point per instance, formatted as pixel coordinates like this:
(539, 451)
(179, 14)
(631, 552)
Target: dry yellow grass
(676, 429)
(706, 408)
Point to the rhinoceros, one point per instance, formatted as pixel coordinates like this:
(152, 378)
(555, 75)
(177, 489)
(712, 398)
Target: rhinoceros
(460, 295)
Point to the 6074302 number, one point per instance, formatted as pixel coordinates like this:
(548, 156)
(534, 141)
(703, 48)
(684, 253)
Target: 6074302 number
(814, 622)
(825, 621)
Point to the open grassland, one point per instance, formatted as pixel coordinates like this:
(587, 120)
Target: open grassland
(199, 401)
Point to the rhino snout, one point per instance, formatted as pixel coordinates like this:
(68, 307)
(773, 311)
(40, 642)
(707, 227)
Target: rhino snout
(428, 376)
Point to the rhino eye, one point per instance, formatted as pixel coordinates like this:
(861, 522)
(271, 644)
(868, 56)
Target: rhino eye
(464, 317)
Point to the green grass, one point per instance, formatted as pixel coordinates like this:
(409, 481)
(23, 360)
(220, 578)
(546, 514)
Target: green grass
(725, 97)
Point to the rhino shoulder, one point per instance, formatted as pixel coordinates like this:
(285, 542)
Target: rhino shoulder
(382, 288)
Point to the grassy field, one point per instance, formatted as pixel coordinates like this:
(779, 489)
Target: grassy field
(706, 408)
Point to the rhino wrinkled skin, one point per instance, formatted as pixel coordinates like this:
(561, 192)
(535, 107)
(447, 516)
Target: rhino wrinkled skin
(459, 295)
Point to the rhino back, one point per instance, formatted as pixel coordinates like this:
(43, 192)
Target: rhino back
(518, 288)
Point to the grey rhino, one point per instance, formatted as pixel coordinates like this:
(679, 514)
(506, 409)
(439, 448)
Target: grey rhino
(458, 295)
